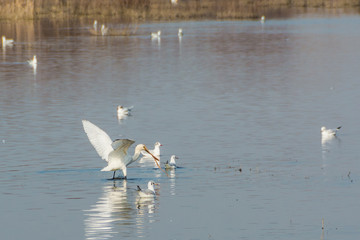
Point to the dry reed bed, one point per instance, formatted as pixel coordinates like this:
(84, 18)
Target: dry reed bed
(157, 9)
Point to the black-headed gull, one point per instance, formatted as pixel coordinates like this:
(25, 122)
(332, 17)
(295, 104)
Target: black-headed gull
(155, 35)
(327, 133)
(149, 192)
(172, 163)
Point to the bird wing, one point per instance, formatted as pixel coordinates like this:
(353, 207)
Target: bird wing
(99, 139)
(121, 147)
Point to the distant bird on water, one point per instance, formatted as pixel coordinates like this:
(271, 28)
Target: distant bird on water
(115, 153)
(33, 62)
(104, 30)
(156, 35)
(262, 19)
(328, 133)
(122, 111)
(180, 32)
(7, 42)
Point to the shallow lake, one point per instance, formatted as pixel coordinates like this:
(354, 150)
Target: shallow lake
(239, 102)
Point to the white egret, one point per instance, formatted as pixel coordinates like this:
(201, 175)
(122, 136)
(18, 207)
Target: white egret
(113, 152)
(155, 151)
(328, 133)
(172, 163)
(156, 35)
(7, 42)
(150, 192)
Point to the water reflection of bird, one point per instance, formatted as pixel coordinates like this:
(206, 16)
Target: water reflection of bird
(149, 192)
(155, 151)
(111, 210)
(155, 35)
(114, 152)
(329, 133)
(7, 42)
(172, 163)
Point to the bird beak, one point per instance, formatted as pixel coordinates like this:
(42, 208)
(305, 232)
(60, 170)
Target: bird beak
(147, 150)
(156, 160)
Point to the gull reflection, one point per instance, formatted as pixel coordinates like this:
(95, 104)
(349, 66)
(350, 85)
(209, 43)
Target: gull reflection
(172, 175)
(111, 210)
(327, 143)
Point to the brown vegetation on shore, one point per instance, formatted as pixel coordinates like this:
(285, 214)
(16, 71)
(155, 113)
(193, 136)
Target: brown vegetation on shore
(157, 9)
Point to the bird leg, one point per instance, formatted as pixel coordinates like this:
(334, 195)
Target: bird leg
(114, 175)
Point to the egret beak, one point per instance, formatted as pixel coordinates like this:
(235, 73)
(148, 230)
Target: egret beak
(156, 160)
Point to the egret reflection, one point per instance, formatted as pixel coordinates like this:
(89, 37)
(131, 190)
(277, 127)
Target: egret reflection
(112, 209)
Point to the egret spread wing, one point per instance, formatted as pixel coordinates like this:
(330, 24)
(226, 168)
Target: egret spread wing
(99, 139)
(120, 143)
(122, 147)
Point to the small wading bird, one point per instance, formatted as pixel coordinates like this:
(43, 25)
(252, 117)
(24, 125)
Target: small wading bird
(328, 133)
(113, 152)
(95, 25)
(172, 163)
(155, 151)
(7, 42)
(155, 35)
(150, 192)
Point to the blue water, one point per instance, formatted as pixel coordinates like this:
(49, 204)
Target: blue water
(239, 102)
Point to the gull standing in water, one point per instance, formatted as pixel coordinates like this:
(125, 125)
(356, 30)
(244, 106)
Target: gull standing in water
(155, 151)
(329, 133)
(172, 163)
(7, 42)
(150, 192)
(113, 152)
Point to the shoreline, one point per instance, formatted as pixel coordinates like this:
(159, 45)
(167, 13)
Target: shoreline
(164, 10)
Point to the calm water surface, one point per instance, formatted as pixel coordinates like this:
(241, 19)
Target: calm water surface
(229, 96)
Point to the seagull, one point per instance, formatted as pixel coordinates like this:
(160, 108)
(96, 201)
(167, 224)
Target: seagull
(262, 19)
(113, 152)
(155, 35)
(33, 62)
(104, 30)
(328, 133)
(122, 112)
(180, 33)
(172, 163)
(150, 192)
(155, 151)
(7, 42)
(95, 25)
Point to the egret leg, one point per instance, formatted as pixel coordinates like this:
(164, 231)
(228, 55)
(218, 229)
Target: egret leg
(114, 175)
